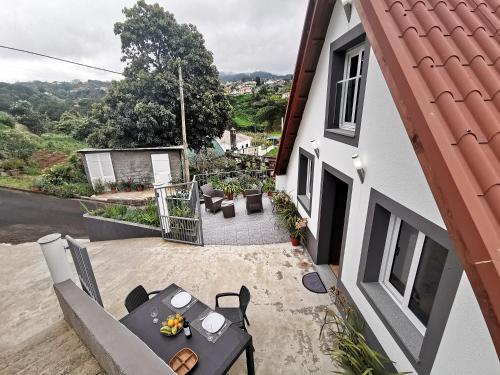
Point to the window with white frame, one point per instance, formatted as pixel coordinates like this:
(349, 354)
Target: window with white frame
(349, 87)
(411, 270)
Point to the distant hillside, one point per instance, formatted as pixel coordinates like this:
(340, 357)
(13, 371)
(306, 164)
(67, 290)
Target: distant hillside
(250, 76)
(53, 98)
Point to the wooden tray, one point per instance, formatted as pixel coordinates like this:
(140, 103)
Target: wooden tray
(183, 361)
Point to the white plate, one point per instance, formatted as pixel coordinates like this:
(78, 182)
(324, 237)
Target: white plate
(180, 300)
(213, 322)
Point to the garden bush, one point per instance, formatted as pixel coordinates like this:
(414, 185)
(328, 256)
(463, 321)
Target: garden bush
(7, 120)
(142, 215)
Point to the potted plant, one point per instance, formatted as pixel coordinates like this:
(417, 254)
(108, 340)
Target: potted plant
(99, 187)
(269, 186)
(139, 186)
(113, 186)
(298, 231)
(125, 186)
(230, 188)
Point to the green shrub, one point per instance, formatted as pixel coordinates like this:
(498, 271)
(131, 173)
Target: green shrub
(351, 352)
(142, 215)
(7, 120)
(66, 190)
(69, 172)
(11, 164)
(269, 185)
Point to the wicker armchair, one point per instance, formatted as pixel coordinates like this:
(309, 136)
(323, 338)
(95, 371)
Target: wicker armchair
(213, 198)
(254, 201)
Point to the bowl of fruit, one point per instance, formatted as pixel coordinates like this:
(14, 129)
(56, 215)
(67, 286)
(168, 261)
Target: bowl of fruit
(172, 325)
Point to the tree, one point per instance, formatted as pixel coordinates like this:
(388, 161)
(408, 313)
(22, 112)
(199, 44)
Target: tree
(71, 123)
(258, 81)
(143, 109)
(6, 119)
(24, 113)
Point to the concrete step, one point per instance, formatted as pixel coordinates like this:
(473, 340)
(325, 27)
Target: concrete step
(56, 350)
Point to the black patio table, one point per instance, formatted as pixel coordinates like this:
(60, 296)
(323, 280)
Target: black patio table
(213, 358)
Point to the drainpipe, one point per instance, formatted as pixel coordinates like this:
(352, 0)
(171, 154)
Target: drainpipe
(55, 255)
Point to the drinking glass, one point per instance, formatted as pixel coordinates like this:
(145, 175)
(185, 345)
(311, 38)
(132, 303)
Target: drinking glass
(154, 315)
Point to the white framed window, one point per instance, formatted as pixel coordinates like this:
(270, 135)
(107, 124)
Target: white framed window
(308, 178)
(349, 87)
(411, 270)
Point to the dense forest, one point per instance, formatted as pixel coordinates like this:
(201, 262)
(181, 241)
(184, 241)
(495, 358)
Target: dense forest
(53, 98)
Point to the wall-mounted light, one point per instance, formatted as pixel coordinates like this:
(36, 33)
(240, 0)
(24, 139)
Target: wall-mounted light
(347, 4)
(315, 146)
(358, 164)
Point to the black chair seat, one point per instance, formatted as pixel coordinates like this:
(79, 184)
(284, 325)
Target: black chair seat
(234, 314)
(237, 315)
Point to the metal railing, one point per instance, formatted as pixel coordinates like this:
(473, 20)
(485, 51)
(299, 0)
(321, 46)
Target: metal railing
(260, 174)
(179, 212)
(179, 205)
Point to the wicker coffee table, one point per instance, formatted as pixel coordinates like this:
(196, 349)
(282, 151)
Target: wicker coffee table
(228, 209)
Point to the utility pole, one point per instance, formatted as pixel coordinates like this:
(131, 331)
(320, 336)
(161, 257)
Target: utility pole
(187, 178)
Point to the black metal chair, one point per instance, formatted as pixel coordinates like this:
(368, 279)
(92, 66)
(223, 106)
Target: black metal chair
(237, 315)
(137, 297)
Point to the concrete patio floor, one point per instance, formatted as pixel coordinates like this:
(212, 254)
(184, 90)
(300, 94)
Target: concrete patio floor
(256, 228)
(285, 317)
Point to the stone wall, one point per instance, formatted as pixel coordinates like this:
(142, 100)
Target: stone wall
(118, 350)
(137, 165)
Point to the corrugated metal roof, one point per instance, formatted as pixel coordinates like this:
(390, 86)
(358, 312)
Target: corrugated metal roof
(90, 150)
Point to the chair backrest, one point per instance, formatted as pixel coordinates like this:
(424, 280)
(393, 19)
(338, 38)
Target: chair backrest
(244, 298)
(136, 298)
(252, 192)
(207, 189)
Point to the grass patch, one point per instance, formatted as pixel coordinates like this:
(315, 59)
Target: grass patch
(60, 143)
(273, 152)
(22, 182)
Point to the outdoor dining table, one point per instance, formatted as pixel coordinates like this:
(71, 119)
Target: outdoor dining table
(213, 358)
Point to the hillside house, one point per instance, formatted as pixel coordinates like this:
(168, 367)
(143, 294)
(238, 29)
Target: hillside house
(391, 149)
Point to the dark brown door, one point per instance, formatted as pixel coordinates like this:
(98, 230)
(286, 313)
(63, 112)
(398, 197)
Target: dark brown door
(335, 197)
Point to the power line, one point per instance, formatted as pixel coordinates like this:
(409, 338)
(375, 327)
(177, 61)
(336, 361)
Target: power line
(59, 59)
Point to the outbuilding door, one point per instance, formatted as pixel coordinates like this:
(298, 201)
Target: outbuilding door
(100, 167)
(161, 168)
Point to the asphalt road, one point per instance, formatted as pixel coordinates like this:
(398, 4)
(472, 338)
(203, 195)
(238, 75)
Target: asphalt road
(25, 217)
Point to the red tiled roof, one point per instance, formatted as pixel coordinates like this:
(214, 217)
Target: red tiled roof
(441, 61)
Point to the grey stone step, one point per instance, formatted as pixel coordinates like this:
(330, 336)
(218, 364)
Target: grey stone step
(56, 350)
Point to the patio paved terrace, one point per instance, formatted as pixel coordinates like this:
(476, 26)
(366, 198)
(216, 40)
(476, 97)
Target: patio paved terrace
(285, 318)
(257, 228)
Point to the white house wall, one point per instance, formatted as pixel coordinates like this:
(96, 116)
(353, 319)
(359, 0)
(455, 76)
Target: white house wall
(393, 169)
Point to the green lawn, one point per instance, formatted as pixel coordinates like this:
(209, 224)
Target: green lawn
(22, 182)
(273, 152)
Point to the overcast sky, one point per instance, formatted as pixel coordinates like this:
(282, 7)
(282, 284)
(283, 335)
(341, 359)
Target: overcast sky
(244, 35)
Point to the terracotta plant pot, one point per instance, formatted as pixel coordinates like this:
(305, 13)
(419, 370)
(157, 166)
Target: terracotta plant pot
(269, 193)
(128, 190)
(230, 196)
(139, 188)
(113, 190)
(295, 241)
